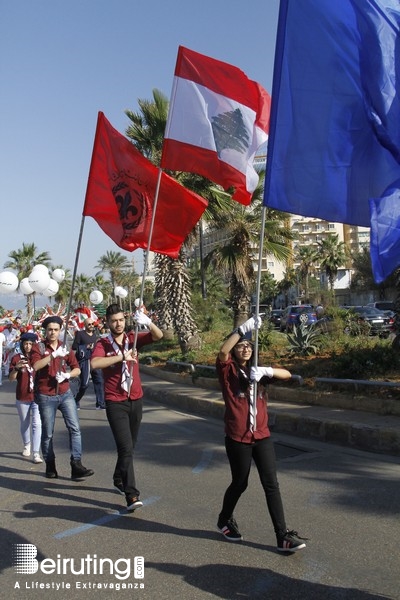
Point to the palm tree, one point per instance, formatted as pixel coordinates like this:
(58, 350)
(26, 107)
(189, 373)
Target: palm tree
(147, 127)
(172, 290)
(289, 281)
(236, 255)
(115, 264)
(307, 257)
(333, 255)
(64, 290)
(82, 288)
(22, 261)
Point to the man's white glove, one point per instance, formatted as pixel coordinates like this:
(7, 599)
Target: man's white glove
(141, 318)
(62, 376)
(257, 373)
(249, 325)
(61, 351)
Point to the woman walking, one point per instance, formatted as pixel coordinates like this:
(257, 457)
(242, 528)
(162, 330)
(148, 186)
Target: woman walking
(248, 436)
(28, 411)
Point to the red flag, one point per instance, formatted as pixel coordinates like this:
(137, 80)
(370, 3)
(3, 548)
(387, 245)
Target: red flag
(121, 191)
(217, 120)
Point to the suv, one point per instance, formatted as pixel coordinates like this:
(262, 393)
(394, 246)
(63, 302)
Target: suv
(297, 314)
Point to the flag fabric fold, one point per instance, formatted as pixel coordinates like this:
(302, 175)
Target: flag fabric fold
(334, 143)
(217, 120)
(121, 192)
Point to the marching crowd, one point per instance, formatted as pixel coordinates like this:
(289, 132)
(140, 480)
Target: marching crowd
(38, 358)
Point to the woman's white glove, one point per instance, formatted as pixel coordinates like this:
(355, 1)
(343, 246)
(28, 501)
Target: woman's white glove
(142, 319)
(257, 373)
(62, 376)
(61, 351)
(249, 325)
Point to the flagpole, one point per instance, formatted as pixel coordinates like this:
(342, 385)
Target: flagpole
(78, 249)
(257, 308)
(145, 267)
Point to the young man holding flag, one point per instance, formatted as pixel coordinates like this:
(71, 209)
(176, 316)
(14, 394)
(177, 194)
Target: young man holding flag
(116, 354)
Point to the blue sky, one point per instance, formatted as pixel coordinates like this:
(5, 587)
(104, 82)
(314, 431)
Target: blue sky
(60, 63)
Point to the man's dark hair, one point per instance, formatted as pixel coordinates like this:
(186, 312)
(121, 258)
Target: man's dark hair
(113, 309)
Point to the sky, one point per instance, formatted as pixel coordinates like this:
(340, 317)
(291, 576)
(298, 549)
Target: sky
(63, 62)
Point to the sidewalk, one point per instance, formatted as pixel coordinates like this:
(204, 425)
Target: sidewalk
(354, 428)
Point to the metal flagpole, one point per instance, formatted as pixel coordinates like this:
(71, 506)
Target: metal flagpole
(145, 266)
(257, 307)
(78, 249)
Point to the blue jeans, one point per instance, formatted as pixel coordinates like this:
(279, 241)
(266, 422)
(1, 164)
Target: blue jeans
(28, 413)
(48, 406)
(97, 379)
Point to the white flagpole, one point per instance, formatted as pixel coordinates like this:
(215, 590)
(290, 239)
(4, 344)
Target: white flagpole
(257, 308)
(145, 267)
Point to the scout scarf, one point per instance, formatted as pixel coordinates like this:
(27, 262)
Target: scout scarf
(126, 374)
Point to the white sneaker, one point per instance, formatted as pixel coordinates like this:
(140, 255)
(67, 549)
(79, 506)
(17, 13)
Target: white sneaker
(36, 458)
(27, 450)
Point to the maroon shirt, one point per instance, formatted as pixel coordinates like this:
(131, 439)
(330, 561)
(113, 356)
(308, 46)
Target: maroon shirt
(23, 379)
(113, 375)
(237, 402)
(46, 381)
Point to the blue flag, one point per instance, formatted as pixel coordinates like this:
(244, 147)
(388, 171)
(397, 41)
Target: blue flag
(334, 142)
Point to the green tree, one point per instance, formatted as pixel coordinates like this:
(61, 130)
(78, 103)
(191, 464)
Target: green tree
(115, 264)
(22, 261)
(268, 288)
(307, 257)
(287, 283)
(333, 256)
(235, 256)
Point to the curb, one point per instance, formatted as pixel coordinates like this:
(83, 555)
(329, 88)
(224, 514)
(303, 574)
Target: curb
(356, 429)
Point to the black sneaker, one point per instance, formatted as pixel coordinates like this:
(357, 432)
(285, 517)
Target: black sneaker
(133, 502)
(290, 541)
(229, 529)
(119, 486)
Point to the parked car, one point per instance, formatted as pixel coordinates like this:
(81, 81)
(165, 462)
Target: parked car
(275, 317)
(383, 305)
(297, 314)
(379, 323)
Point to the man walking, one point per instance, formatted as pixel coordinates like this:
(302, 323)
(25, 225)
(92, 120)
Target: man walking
(49, 360)
(116, 354)
(83, 345)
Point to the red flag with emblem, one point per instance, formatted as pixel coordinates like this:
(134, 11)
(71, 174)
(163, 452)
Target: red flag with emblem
(121, 191)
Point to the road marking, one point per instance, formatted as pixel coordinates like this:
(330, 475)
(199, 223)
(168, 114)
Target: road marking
(105, 519)
(206, 459)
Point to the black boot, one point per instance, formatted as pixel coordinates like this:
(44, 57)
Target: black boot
(51, 471)
(78, 471)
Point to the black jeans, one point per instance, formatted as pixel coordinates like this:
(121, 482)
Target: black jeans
(240, 456)
(125, 418)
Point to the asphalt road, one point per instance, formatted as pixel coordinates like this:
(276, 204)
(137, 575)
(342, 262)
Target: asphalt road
(347, 502)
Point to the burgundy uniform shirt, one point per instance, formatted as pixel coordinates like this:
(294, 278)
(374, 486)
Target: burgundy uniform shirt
(237, 414)
(23, 379)
(113, 375)
(46, 381)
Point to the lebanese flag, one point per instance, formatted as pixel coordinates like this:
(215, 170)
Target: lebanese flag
(217, 120)
(121, 191)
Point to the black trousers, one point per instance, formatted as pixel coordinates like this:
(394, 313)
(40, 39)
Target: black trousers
(240, 456)
(124, 419)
